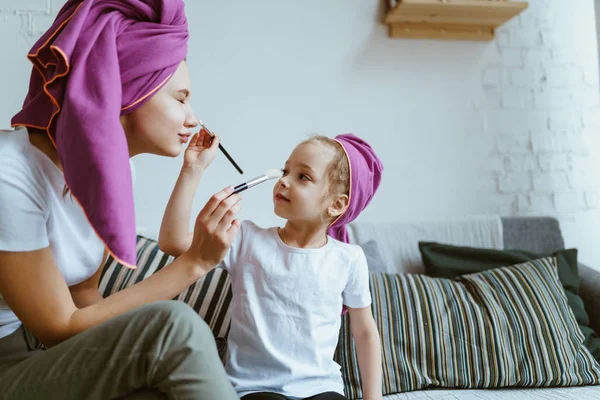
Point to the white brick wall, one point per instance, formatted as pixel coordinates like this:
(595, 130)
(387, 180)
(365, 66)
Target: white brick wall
(547, 164)
(569, 201)
(35, 15)
(592, 199)
(551, 154)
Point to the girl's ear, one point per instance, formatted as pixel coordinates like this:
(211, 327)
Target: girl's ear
(338, 206)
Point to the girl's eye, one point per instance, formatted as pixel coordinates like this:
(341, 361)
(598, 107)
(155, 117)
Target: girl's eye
(304, 177)
(285, 172)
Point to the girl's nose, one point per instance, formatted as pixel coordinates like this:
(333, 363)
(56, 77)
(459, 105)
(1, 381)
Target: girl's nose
(283, 181)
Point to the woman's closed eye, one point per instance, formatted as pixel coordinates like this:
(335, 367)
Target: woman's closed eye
(182, 96)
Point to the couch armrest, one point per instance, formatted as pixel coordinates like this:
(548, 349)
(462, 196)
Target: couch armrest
(590, 293)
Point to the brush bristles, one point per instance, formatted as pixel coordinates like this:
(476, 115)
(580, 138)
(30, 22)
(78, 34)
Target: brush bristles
(274, 173)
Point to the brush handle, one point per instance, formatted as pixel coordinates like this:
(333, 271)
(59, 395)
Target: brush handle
(230, 159)
(251, 183)
(239, 188)
(223, 149)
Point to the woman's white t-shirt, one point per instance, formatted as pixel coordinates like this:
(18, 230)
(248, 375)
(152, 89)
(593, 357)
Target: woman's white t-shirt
(286, 312)
(34, 214)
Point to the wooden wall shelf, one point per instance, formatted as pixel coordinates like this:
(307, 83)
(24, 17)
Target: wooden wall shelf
(450, 19)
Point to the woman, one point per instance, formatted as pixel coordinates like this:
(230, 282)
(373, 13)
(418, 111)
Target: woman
(110, 81)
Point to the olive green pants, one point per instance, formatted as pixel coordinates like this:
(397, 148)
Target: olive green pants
(162, 350)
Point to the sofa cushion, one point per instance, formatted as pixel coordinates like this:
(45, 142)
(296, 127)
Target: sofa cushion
(447, 261)
(506, 327)
(210, 296)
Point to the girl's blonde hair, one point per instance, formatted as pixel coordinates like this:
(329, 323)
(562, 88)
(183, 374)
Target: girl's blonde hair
(338, 170)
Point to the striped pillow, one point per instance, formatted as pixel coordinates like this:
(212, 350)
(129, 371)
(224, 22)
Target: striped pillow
(507, 327)
(210, 296)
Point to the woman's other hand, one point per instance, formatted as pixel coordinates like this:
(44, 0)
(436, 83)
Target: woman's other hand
(214, 230)
(201, 151)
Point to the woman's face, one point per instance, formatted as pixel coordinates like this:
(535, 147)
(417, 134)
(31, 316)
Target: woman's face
(162, 125)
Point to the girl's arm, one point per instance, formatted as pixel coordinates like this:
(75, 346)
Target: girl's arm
(368, 350)
(175, 237)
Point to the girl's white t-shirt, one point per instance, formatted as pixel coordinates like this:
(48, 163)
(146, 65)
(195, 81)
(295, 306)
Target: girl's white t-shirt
(286, 312)
(34, 215)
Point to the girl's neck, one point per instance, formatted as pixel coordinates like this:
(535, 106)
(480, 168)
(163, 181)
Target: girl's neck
(41, 141)
(303, 236)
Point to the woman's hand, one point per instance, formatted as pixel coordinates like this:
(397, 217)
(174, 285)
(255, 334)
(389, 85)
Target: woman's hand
(201, 151)
(214, 230)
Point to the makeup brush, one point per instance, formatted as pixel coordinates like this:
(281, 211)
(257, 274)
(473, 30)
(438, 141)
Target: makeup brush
(222, 148)
(273, 173)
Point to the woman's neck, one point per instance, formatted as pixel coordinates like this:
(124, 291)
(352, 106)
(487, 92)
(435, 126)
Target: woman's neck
(41, 141)
(303, 236)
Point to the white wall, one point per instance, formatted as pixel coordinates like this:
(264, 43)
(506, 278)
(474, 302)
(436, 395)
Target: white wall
(509, 126)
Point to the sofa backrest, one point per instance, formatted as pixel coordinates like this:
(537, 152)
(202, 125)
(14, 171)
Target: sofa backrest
(396, 244)
(536, 234)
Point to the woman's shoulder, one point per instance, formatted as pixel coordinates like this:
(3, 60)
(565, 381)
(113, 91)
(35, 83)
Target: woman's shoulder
(12, 144)
(14, 160)
(21, 169)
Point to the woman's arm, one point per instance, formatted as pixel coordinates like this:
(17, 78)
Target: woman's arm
(35, 290)
(368, 351)
(86, 293)
(175, 237)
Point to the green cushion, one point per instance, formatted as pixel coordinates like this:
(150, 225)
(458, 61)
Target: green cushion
(506, 327)
(447, 261)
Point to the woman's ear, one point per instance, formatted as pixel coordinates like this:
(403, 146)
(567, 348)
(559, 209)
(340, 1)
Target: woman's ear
(338, 206)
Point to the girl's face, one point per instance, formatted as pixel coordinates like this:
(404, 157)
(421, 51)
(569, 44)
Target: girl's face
(162, 125)
(301, 194)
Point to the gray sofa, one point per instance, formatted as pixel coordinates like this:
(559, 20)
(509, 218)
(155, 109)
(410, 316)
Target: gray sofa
(535, 234)
(210, 296)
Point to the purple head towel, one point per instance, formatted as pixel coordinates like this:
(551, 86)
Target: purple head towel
(99, 60)
(365, 177)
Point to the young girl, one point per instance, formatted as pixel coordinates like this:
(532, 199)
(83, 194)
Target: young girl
(290, 284)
